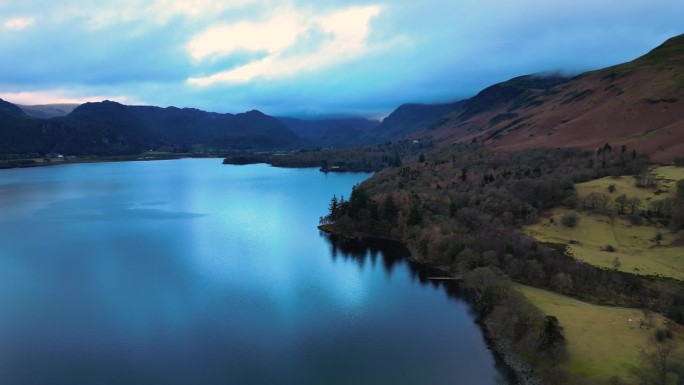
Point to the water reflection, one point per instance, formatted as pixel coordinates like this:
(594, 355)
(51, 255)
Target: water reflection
(192, 272)
(391, 254)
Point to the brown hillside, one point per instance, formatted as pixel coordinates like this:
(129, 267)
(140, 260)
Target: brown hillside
(639, 104)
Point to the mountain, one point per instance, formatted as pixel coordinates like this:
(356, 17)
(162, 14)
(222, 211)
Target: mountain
(639, 104)
(192, 127)
(48, 110)
(341, 132)
(15, 135)
(410, 118)
(110, 128)
(406, 120)
(8, 109)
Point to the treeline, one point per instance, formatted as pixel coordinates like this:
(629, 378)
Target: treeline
(459, 209)
(366, 159)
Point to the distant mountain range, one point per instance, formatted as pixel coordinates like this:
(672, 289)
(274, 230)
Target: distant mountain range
(341, 132)
(49, 110)
(639, 104)
(110, 128)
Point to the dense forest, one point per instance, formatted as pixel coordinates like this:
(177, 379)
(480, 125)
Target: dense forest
(365, 159)
(460, 209)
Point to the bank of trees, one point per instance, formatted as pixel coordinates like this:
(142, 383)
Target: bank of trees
(366, 159)
(460, 209)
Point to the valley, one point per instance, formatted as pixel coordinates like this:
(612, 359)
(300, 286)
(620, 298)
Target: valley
(557, 200)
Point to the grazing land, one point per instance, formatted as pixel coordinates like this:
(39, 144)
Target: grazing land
(602, 342)
(631, 243)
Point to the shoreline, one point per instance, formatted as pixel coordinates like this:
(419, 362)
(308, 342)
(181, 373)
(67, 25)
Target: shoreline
(516, 371)
(21, 164)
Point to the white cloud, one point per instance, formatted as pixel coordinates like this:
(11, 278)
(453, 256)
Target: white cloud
(57, 97)
(18, 23)
(272, 36)
(345, 37)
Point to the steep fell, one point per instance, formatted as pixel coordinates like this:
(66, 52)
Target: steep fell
(409, 119)
(639, 104)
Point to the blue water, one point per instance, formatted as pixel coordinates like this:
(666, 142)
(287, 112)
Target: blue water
(193, 272)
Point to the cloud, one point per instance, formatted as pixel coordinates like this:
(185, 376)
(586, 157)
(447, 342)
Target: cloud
(57, 97)
(309, 58)
(337, 36)
(18, 23)
(273, 36)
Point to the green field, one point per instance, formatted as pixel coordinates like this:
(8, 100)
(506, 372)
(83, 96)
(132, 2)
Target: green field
(600, 239)
(601, 341)
(665, 178)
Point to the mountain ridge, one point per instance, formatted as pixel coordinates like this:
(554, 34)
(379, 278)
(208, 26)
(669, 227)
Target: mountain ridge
(111, 128)
(332, 132)
(47, 111)
(639, 104)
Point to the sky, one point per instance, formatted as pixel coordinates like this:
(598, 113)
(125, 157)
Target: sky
(310, 58)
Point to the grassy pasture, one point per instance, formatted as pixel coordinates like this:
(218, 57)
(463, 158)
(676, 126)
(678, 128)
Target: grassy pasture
(665, 176)
(635, 247)
(599, 239)
(601, 341)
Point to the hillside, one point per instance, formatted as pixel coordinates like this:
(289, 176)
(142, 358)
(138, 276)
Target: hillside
(403, 122)
(460, 207)
(47, 111)
(639, 104)
(110, 128)
(408, 119)
(341, 132)
(191, 127)
(8, 109)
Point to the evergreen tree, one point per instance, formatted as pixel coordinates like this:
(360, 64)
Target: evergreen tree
(415, 216)
(389, 208)
(333, 208)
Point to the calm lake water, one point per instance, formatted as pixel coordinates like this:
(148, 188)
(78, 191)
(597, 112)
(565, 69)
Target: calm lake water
(192, 272)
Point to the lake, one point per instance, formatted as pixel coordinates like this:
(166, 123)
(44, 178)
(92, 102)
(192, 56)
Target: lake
(193, 272)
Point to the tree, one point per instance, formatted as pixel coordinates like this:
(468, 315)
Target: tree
(333, 208)
(358, 200)
(569, 220)
(389, 208)
(453, 209)
(342, 207)
(552, 340)
(633, 204)
(646, 179)
(621, 202)
(415, 216)
(596, 201)
(562, 282)
(661, 362)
